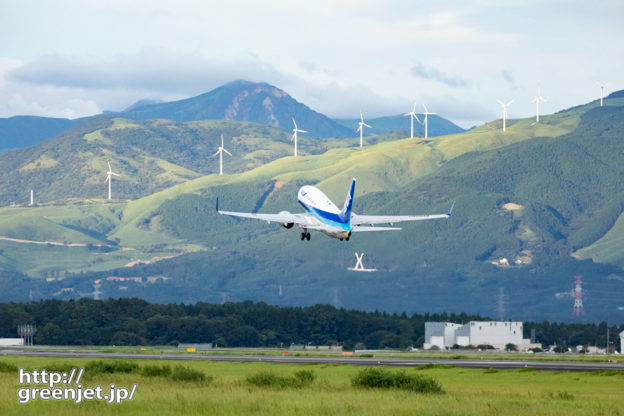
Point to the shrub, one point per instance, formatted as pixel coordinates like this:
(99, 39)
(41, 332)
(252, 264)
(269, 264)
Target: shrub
(301, 378)
(156, 371)
(61, 368)
(563, 395)
(100, 367)
(7, 368)
(181, 373)
(432, 365)
(264, 379)
(380, 378)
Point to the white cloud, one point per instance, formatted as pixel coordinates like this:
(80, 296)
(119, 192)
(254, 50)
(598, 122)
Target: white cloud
(429, 72)
(335, 56)
(153, 70)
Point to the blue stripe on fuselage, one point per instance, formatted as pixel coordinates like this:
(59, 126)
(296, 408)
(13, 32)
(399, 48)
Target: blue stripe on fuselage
(328, 218)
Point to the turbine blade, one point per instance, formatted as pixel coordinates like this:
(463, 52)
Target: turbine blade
(216, 153)
(227, 152)
(417, 119)
(358, 129)
(509, 103)
(500, 102)
(368, 126)
(294, 122)
(302, 131)
(414, 109)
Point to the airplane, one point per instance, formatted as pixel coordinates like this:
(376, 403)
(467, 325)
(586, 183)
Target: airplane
(324, 216)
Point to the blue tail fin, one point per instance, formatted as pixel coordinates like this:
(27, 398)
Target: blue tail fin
(345, 215)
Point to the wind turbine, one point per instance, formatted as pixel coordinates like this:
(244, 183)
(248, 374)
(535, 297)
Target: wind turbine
(361, 125)
(536, 100)
(602, 87)
(505, 112)
(220, 153)
(426, 120)
(109, 178)
(413, 116)
(294, 136)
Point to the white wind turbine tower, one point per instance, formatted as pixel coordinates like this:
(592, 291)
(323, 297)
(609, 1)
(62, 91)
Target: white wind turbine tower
(361, 125)
(109, 178)
(294, 136)
(413, 116)
(505, 112)
(602, 87)
(220, 153)
(537, 100)
(426, 120)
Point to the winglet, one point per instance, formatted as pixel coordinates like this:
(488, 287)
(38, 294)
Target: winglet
(451, 210)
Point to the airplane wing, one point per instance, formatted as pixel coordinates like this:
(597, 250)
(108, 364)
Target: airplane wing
(358, 220)
(359, 229)
(284, 217)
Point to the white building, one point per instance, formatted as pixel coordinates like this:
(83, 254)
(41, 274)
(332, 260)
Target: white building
(440, 334)
(622, 342)
(11, 342)
(495, 333)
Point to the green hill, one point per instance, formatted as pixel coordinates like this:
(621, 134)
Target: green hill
(536, 196)
(149, 155)
(438, 126)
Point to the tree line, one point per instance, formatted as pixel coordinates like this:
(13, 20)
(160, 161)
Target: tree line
(133, 321)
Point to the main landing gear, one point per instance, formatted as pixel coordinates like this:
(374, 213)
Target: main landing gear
(305, 235)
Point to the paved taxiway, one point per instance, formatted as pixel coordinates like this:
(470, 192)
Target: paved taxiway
(365, 361)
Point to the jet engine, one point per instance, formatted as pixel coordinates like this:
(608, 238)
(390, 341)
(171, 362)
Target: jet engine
(287, 225)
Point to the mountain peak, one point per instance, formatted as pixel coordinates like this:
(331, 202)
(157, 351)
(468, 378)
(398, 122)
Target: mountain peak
(243, 100)
(142, 103)
(254, 88)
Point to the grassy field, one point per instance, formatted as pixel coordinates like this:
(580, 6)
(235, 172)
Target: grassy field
(466, 392)
(609, 248)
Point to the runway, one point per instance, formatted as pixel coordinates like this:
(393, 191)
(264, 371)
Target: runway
(362, 361)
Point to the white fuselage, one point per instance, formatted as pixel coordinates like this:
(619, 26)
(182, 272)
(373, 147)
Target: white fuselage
(324, 212)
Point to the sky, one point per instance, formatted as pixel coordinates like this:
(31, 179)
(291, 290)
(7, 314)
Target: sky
(73, 58)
